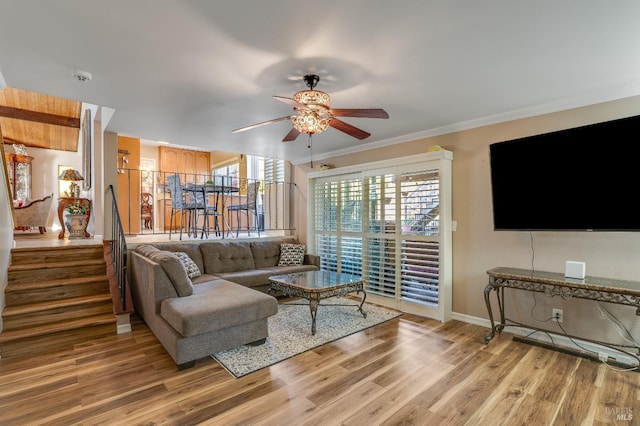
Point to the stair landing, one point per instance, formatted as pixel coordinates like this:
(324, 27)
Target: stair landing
(24, 239)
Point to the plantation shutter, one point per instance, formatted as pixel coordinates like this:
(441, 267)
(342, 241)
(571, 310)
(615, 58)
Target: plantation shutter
(276, 190)
(420, 205)
(326, 224)
(386, 225)
(274, 170)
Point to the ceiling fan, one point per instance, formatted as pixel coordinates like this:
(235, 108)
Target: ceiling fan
(313, 114)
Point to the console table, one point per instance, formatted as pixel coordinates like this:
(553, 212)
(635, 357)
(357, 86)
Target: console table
(556, 284)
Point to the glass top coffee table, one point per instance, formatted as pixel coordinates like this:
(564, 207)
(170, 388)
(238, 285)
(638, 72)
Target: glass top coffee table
(317, 285)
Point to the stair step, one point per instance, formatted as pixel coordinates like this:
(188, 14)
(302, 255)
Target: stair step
(23, 273)
(35, 255)
(52, 293)
(53, 304)
(58, 314)
(7, 336)
(40, 285)
(55, 265)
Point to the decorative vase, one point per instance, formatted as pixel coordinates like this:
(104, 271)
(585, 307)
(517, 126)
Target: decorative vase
(76, 225)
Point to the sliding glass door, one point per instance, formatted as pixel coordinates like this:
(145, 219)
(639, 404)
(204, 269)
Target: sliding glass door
(389, 224)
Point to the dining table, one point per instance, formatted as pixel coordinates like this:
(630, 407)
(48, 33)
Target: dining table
(219, 192)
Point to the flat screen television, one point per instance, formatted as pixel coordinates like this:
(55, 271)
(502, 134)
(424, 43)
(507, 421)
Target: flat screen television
(582, 179)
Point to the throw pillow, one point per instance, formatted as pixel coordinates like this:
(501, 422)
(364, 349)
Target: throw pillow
(175, 270)
(146, 250)
(291, 254)
(191, 267)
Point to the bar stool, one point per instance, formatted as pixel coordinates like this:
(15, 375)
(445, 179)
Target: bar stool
(250, 207)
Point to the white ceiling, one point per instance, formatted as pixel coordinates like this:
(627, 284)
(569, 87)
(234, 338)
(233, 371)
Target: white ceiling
(189, 72)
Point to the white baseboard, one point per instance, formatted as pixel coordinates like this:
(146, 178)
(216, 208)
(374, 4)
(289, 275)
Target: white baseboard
(123, 324)
(123, 329)
(471, 320)
(559, 340)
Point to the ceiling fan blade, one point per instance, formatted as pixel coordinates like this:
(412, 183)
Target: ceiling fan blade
(253, 126)
(348, 129)
(291, 102)
(292, 135)
(362, 112)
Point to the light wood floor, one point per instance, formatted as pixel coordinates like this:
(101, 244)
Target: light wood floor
(409, 370)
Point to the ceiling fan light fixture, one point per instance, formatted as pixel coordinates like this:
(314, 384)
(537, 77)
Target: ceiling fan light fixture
(312, 98)
(313, 114)
(309, 122)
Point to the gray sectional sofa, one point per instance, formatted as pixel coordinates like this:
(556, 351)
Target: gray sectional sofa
(223, 304)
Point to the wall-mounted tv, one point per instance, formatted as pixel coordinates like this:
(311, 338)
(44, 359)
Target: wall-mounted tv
(582, 179)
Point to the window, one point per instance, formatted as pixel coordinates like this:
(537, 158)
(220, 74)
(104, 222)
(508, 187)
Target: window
(274, 197)
(265, 169)
(390, 224)
(232, 170)
(274, 170)
(277, 190)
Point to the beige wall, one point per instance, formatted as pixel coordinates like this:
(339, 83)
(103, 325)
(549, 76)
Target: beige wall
(151, 152)
(129, 184)
(6, 233)
(110, 176)
(299, 220)
(477, 248)
(220, 158)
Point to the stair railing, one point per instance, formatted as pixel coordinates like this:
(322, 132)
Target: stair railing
(118, 250)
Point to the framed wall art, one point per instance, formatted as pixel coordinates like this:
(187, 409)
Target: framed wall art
(86, 150)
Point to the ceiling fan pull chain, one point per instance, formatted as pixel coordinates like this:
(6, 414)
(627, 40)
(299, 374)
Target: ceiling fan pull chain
(311, 151)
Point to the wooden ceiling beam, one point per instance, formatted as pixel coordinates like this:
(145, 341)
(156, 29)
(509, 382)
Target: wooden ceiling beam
(11, 141)
(39, 117)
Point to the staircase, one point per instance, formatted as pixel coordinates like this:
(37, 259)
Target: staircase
(56, 298)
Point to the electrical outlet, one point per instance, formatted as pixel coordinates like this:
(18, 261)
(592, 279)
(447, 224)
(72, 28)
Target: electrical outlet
(557, 315)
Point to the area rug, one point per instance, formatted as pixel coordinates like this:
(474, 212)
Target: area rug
(290, 333)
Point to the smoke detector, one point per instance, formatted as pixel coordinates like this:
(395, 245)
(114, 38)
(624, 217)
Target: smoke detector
(81, 75)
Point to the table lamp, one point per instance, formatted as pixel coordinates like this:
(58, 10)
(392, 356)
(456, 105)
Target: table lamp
(73, 176)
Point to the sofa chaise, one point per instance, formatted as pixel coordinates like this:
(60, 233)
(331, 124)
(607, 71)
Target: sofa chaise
(203, 297)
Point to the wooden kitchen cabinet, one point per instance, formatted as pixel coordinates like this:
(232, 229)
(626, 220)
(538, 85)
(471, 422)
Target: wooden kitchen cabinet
(189, 165)
(202, 166)
(171, 160)
(193, 166)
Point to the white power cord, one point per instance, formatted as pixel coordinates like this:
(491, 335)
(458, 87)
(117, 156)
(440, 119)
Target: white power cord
(624, 333)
